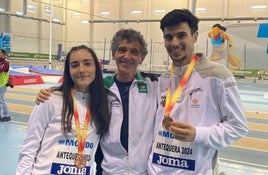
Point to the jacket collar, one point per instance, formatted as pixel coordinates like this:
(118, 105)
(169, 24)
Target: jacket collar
(109, 80)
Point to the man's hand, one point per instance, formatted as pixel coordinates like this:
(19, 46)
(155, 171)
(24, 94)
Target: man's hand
(42, 96)
(183, 131)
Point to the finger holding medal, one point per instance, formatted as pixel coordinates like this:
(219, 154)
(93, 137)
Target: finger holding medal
(167, 122)
(183, 131)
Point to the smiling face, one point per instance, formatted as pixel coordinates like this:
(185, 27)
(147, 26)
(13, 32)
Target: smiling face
(179, 43)
(82, 69)
(127, 57)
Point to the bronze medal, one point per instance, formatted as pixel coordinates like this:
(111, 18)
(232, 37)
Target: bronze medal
(167, 122)
(80, 161)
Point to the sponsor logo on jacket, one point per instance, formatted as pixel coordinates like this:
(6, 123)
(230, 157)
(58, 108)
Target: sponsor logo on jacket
(173, 162)
(163, 101)
(195, 103)
(142, 87)
(194, 98)
(165, 134)
(64, 169)
(70, 142)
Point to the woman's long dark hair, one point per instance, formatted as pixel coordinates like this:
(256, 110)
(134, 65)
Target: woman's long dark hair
(97, 96)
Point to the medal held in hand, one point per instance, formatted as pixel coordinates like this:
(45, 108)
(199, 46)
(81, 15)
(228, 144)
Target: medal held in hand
(80, 161)
(81, 134)
(167, 122)
(171, 99)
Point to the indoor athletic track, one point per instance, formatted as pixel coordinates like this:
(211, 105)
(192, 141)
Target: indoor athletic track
(248, 156)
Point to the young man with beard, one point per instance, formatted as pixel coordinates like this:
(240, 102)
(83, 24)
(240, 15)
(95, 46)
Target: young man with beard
(200, 111)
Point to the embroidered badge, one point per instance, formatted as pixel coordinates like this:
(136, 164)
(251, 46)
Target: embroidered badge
(194, 91)
(163, 100)
(195, 103)
(142, 88)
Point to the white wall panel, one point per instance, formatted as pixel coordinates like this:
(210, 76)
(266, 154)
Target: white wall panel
(35, 34)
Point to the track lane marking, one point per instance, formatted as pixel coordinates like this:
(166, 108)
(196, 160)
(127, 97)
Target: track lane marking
(252, 143)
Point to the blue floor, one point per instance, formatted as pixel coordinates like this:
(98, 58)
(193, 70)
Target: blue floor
(11, 135)
(233, 160)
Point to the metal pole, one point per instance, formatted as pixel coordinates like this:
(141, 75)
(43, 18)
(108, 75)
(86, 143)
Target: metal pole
(103, 57)
(151, 51)
(104, 49)
(194, 6)
(110, 51)
(245, 57)
(50, 33)
(207, 48)
(25, 7)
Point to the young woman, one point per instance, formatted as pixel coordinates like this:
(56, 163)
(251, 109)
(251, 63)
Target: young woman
(63, 132)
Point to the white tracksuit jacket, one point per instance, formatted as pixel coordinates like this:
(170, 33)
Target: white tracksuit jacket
(142, 110)
(46, 151)
(210, 101)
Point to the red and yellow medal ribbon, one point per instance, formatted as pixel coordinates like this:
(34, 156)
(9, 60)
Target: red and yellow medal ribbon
(81, 133)
(171, 99)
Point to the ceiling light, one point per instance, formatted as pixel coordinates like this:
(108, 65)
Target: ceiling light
(47, 10)
(104, 13)
(159, 11)
(75, 14)
(135, 12)
(31, 7)
(19, 13)
(56, 20)
(200, 9)
(84, 22)
(254, 7)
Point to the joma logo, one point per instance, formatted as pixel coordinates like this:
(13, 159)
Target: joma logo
(174, 162)
(68, 169)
